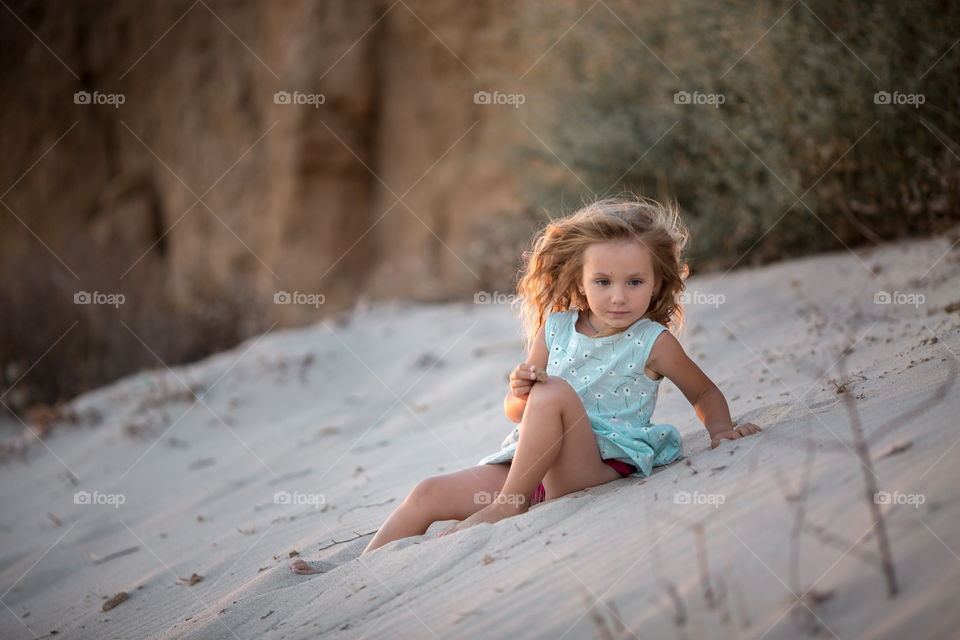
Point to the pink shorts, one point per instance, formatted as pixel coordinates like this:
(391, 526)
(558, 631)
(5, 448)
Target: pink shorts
(539, 494)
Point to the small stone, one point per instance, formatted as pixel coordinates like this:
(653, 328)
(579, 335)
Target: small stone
(114, 601)
(193, 579)
(541, 375)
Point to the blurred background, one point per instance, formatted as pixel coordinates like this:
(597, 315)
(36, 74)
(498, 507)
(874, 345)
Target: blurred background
(178, 176)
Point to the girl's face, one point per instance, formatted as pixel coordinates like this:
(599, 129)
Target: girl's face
(618, 282)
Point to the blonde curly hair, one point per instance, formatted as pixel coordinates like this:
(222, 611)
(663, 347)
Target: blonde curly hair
(553, 266)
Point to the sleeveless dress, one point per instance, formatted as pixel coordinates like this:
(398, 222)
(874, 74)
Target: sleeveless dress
(608, 375)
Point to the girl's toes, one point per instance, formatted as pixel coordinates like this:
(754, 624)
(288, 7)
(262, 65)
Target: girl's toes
(299, 566)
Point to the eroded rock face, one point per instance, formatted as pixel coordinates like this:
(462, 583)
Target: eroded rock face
(382, 189)
(199, 186)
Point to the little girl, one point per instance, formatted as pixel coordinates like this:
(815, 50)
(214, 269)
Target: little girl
(599, 290)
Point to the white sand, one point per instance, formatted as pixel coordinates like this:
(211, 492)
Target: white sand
(621, 560)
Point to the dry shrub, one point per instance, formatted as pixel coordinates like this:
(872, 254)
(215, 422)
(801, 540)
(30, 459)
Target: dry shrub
(795, 104)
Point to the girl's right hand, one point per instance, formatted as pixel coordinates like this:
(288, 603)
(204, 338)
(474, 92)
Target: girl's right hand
(522, 379)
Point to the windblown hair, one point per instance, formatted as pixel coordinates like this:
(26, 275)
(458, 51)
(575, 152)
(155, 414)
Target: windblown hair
(553, 266)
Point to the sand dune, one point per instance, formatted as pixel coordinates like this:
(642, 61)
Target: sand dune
(303, 441)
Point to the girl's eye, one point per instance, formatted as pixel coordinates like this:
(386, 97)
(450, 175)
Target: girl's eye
(603, 282)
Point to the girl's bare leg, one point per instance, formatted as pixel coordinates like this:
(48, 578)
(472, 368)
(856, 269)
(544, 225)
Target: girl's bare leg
(557, 446)
(452, 496)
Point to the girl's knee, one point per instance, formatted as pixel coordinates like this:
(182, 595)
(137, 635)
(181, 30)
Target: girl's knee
(426, 492)
(555, 387)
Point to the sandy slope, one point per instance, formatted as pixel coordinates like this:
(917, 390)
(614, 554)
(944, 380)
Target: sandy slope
(360, 411)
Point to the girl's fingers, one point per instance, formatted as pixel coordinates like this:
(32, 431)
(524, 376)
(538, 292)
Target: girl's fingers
(521, 380)
(525, 372)
(731, 434)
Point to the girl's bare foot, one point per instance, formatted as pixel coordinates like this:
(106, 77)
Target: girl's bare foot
(302, 568)
(493, 512)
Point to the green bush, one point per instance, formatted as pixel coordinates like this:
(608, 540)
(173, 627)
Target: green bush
(799, 119)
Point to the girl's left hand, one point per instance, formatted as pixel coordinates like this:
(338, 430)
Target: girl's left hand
(735, 433)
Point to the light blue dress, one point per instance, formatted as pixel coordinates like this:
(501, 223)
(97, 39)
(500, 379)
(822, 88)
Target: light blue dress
(608, 375)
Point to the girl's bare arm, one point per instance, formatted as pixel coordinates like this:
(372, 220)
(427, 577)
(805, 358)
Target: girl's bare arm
(670, 360)
(513, 407)
(516, 401)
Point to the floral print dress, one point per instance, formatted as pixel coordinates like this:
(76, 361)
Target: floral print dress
(608, 375)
